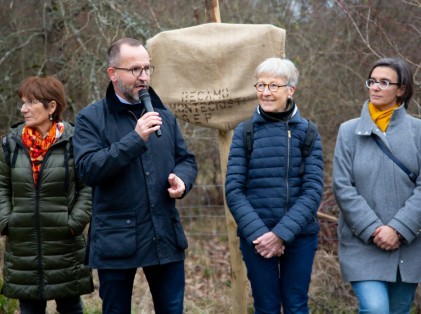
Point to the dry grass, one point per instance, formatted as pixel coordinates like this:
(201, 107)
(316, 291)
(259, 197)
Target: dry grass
(328, 294)
(207, 282)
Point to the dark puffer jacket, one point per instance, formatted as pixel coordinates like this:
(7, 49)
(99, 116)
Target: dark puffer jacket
(270, 194)
(42, 259)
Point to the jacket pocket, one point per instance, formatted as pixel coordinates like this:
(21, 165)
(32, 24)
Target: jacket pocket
(115, 235)
(180, 236)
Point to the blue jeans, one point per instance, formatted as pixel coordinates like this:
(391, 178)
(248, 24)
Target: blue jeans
(71, 305)
(384, 297)
(281, 281)
(166, 283)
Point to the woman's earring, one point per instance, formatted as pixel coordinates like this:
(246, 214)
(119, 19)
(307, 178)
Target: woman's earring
(51, 117)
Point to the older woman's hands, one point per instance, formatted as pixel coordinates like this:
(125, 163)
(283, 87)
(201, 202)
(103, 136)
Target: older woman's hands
(269, 245)
(386, 238)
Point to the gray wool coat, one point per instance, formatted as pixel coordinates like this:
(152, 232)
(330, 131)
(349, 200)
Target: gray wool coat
(371, 190)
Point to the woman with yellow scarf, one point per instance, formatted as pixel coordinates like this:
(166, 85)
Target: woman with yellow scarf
(380, 204)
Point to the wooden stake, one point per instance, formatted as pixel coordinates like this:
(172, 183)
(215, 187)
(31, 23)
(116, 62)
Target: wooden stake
(238, 269)
(212, 11)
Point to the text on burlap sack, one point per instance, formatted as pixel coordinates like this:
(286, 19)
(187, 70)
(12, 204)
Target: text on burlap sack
(200, 107)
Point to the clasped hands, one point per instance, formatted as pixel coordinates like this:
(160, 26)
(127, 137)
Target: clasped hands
(386, 238)
(269, 245)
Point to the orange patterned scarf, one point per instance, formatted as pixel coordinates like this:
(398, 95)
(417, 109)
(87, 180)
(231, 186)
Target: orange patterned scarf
(39, 145)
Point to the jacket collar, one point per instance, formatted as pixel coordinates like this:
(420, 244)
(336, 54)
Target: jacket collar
(115, 105)
(366, 125)
(295, 116)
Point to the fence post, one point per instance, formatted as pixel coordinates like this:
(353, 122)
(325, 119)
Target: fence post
(238, 271)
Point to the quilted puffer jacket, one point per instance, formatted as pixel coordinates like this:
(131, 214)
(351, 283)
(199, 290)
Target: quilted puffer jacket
(43, 259)
(269, 193)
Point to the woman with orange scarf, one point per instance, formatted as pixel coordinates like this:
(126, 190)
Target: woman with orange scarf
(44, 207)
(377, 185)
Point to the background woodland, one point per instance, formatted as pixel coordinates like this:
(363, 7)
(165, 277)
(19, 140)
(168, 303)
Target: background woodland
(332, 42)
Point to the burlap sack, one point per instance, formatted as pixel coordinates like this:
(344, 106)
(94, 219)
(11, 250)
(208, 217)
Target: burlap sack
(205, 73)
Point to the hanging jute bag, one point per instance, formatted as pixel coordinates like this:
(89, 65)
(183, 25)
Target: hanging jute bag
(205, 73)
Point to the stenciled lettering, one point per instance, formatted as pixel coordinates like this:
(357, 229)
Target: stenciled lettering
(204, 95)
(201, 113)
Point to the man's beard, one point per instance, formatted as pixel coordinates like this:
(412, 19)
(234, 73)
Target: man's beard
(128, 93)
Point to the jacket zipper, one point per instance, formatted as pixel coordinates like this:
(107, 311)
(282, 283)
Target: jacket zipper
(37, 210)
(287, 170)
(38, 220)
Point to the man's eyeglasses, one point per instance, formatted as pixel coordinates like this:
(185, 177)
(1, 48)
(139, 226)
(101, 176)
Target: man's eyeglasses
(29, 103)
(138, 71)
(273, 87)
(382, 84)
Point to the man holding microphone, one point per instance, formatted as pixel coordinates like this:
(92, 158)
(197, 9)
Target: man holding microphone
(135, 176)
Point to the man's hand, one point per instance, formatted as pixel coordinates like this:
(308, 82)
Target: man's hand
(147, 124)
(177, 186)
(269, 245)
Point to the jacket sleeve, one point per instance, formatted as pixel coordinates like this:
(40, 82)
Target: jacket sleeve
(185, 162)
(407, 220)
(80, 215)
(304, 209)
(96, 163)
(360, 217)
(5, 194)
(249, 223)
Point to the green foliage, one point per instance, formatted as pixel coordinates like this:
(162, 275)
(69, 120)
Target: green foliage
(92, 309)
(207, 272)
(7, 306)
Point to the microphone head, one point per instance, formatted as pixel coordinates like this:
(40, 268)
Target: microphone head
(143, 93)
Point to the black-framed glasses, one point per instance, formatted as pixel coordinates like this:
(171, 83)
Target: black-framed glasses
(382, 84)
(28, 103)
(138, 71)
(273, 87)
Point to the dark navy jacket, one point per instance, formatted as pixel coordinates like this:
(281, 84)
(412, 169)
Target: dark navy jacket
(270, 194)
(134, 221)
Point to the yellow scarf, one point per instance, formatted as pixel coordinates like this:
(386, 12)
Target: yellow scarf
(381, 118)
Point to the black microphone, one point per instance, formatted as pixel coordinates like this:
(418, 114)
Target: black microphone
(146, 101)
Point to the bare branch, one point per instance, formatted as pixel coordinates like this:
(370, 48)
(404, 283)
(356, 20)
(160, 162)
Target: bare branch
(14, 49)
(365, 39)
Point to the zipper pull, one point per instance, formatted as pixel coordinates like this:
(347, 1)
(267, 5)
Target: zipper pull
(289, 133)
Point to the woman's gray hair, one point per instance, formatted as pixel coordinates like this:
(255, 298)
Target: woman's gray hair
(282, 68)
